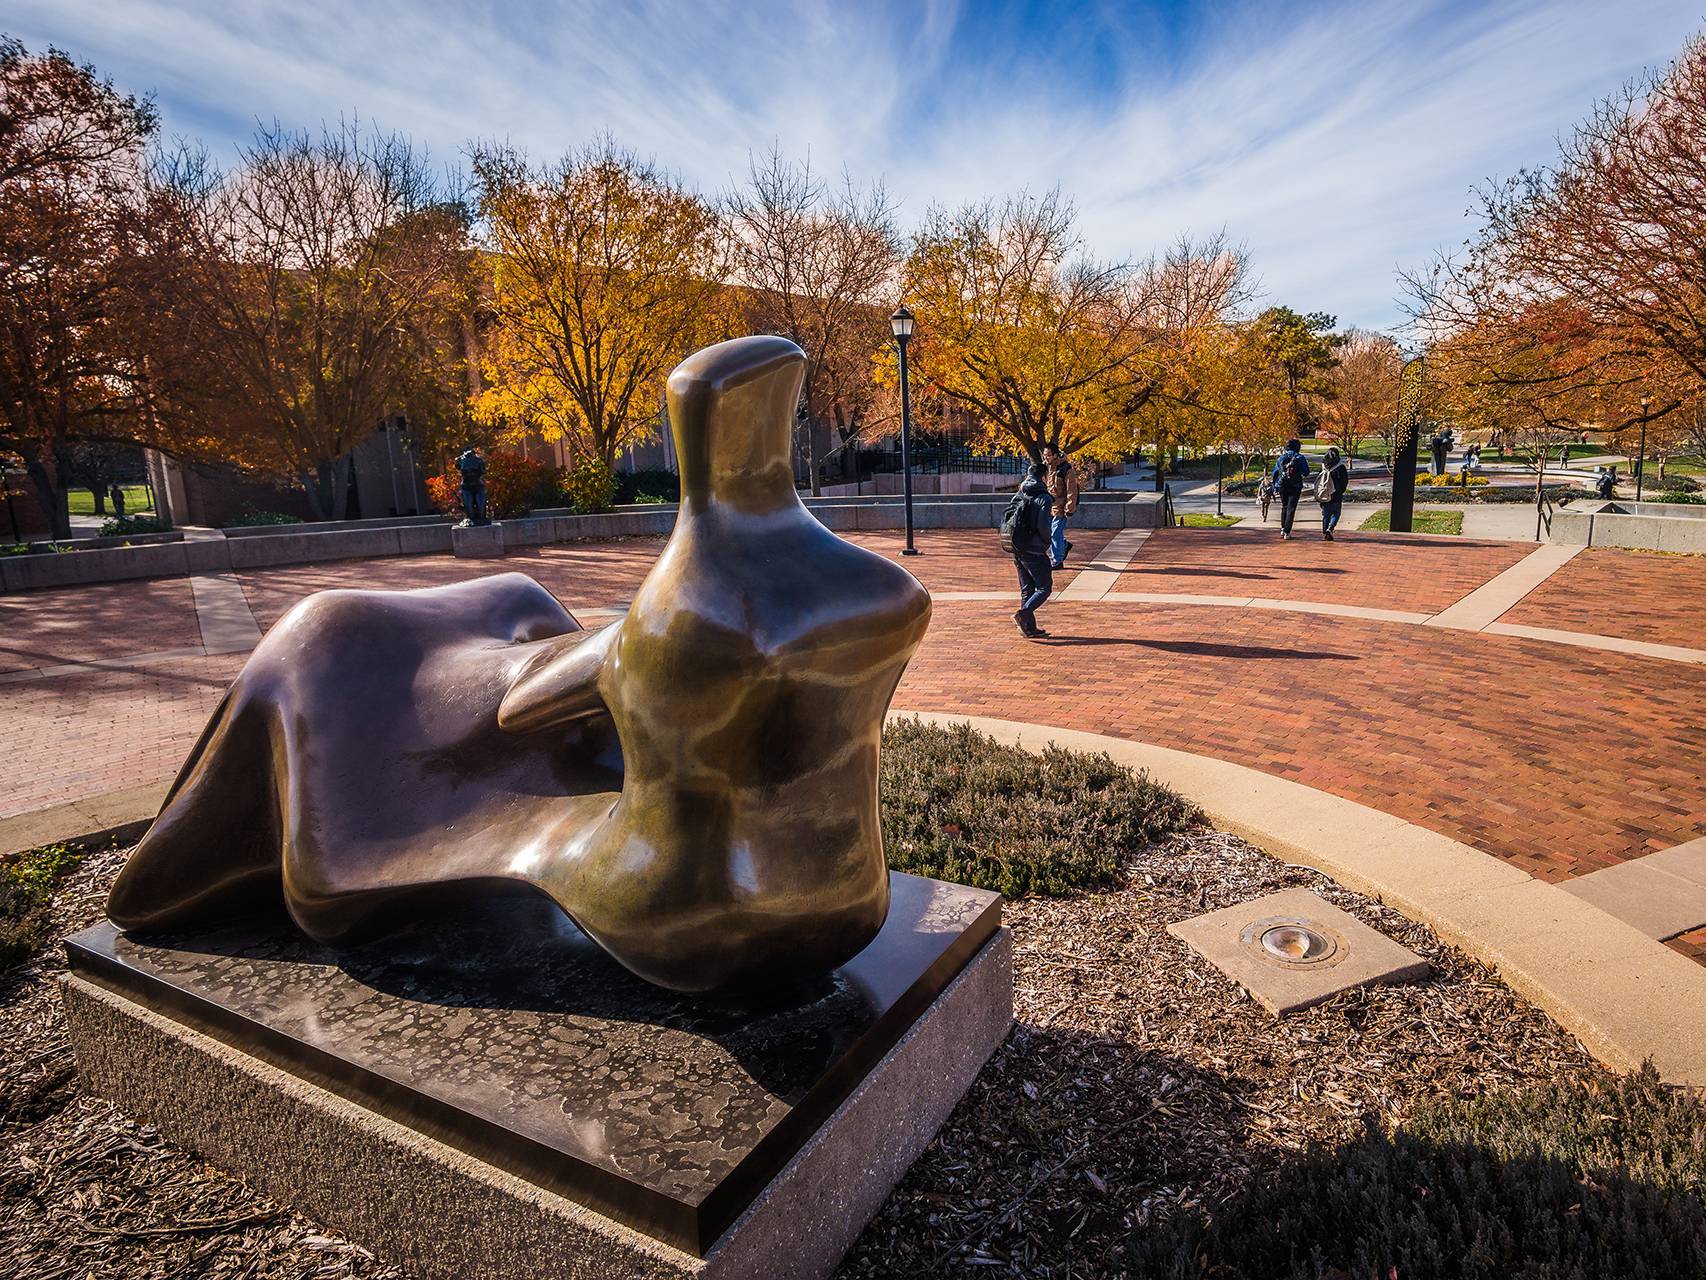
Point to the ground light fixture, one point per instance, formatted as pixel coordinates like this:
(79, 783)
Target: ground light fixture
(901, 324)
(1297, 944)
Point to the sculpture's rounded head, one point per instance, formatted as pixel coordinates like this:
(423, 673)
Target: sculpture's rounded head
(731, 410)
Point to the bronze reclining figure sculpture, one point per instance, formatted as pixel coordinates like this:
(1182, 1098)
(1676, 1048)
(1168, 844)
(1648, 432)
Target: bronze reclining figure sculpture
(694, 785)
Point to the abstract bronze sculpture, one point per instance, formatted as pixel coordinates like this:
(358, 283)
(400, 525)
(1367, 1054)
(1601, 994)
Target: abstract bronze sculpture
(695, 785)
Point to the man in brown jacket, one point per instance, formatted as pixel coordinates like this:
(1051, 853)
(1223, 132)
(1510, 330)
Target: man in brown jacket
(1063, 497)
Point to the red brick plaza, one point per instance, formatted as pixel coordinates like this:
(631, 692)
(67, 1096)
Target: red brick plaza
(1558, 755)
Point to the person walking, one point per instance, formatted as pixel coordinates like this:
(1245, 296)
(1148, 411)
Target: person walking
(1290, 474)
(1025, 535)
(1063, 502)
(1265, 494)
(1330, 489)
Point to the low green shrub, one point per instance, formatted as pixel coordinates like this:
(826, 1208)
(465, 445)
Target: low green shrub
(1490, 493)
(1449, 481)
(1680, 495)
(651, 484)
(1575, 1180)
(960, 806)
(250, 518)
(590, 487)
(27, 881)
(118, 526)
(14, 548)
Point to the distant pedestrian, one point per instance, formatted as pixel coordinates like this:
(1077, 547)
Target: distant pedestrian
(1606, 485)
(1265, 494)
(1063, 502)
(117, 494)
(1330, 489)
(1025, 535)
(1290, 474)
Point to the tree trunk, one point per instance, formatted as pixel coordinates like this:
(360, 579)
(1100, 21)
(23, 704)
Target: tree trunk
(100, 497)
(51, 497)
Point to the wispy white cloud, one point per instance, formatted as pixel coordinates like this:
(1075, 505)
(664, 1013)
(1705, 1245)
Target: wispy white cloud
(1338, 141)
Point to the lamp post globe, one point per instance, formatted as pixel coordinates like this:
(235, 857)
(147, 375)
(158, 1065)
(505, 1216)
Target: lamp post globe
(900, 323)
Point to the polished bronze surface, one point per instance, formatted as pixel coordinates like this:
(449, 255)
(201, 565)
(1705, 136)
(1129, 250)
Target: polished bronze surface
(498, 1029)
(695, 785)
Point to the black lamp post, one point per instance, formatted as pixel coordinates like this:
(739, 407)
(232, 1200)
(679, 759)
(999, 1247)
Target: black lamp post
(901, 323)
(1219, 477)
(1641, 460)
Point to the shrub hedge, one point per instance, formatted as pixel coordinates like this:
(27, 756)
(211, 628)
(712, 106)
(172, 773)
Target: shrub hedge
(1577, 1180)
(116, 526)
(958, 805)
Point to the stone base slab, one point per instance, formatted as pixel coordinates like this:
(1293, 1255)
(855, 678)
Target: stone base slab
(445, 1215)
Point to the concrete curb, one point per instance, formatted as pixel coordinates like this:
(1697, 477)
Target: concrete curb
(119, 815)
(1626, 997)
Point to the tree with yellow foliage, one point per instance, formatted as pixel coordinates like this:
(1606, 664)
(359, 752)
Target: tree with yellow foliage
(605, 274)
(1044, 345)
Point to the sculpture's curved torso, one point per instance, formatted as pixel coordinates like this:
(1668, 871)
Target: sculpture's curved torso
(696, 785)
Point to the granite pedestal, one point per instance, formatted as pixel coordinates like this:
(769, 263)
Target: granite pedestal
(477, 541)
(488, 1095)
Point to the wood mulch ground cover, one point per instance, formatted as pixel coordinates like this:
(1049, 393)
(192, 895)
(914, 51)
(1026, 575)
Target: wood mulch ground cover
(1138, 1083)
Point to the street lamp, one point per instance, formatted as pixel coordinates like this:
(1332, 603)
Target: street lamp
(1219, 477)
(901, 323)
(1641, 460)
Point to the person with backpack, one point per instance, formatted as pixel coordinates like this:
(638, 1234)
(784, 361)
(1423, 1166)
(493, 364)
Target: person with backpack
(1290, 473)
(1265, 494)
(1330, 488)
(1063, 496)
(1025, 536)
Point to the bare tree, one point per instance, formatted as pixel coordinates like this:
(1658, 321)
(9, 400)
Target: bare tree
(313, 280)
(819, 262)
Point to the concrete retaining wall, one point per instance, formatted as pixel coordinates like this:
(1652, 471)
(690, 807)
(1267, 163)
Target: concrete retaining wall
(313, 544)
(1642, 526)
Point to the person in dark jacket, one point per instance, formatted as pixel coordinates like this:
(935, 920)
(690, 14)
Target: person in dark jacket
(1031, 553)
(1338, 480)
(1290, 473)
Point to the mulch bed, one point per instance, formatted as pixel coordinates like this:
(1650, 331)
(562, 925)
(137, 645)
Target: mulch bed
(1138, 1083)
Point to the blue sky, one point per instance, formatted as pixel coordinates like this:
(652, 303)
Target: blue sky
(1339, 142)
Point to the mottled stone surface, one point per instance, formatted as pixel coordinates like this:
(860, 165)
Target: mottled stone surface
(509, 1034)
(445, 1215)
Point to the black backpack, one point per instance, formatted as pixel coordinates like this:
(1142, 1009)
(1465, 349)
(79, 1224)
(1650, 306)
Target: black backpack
(1019, 524)
(1293, 473)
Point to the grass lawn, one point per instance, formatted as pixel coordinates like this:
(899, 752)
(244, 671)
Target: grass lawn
(1421, 522)
(82, 502)
(1202, 520)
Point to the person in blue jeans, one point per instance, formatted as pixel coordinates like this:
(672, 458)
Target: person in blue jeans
(1063, 499)
(1291, 472)
(1338, 480)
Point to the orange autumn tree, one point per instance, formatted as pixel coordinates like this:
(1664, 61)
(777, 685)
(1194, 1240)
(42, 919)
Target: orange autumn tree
(605, 274)
(1039, 342)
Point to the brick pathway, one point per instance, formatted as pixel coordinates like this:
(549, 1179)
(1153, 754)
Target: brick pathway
(105, 620)
(1639, 595)
(1583, 758)
(581, 575)
(1420, 575)
(103, 731)
(1561, 773)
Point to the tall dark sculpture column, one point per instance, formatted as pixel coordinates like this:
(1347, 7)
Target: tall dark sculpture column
(695, 785)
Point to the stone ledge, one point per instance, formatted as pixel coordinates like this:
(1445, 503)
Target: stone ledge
(442, 1213)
